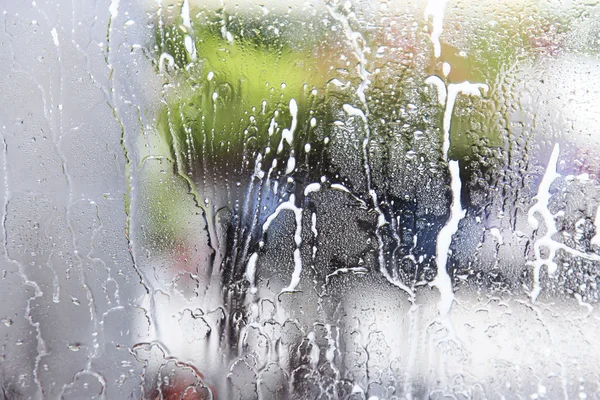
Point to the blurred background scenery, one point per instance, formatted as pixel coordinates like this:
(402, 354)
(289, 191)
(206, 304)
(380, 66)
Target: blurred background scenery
(357, 199)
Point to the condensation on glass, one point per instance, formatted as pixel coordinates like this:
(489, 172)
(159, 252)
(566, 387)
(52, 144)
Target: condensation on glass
(299, 200)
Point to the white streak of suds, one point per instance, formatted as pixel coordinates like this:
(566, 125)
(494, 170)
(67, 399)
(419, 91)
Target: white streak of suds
(291, 206)
(442, 281)
(313, 187)
(444, 239)
(54, 36)
(161, 62)
(251, 272)
(288, 134)
(440, 86)
(435, 9)
(546, 242)
(113, 9)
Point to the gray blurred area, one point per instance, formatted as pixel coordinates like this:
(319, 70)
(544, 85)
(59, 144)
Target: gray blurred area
(69, 285)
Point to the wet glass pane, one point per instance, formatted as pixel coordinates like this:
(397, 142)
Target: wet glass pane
(300, 200)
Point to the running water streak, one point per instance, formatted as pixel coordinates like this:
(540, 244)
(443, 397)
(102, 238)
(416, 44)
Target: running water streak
(354, 38)
(545, 248)
(447, 94)
(442, 281)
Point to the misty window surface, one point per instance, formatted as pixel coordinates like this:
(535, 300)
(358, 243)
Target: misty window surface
(299, 200)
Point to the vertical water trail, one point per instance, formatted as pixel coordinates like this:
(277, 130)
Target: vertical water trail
(310, 188)
(596, 239)
(291, 206)
(443, 281)
(188, 41)
(447, 96)
(542, 199)
(250, 274)
(547, 243)
(286, 135)
(363, 114)
(41, 346)
(57, 128)
(113, 9)
(250, 200)
(435, 9)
